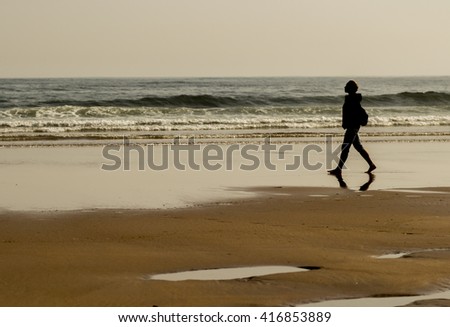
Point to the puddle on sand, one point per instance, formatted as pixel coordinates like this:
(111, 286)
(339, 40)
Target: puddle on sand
(385, 301)
(393, 301)
(392, 255)
(227, 273)
(398, 255)
(415, 191)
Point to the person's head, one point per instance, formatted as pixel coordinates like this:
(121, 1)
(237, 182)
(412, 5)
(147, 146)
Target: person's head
(351, 87)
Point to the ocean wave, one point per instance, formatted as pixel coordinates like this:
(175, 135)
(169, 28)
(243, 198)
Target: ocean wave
(409, 99)
(60, 112)
(206, 123)
(215, 101)
(201, 101)
(82, 112)
(190, 101)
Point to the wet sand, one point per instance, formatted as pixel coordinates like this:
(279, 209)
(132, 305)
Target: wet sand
(69, 177)
(101, 257)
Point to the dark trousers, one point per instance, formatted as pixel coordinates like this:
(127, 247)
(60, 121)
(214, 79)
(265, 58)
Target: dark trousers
(351, 138)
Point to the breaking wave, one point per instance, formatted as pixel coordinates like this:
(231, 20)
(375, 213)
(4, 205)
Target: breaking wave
(213, 101)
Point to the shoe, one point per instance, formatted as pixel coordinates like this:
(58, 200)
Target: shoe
(335, 172)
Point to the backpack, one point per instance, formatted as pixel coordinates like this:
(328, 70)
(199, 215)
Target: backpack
(363, 117)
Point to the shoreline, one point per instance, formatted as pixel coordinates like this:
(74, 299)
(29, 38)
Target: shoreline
(291, 135)
(98, 257)
(72, 178)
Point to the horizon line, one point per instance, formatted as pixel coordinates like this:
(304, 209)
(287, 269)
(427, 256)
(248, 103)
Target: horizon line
(221, 76)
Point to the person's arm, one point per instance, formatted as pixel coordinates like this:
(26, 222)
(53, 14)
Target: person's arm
(344, 115)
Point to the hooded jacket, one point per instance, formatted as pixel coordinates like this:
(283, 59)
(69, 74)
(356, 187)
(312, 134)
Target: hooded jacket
(351, 111)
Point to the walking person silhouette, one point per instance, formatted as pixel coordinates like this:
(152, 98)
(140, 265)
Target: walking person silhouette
(351, 122)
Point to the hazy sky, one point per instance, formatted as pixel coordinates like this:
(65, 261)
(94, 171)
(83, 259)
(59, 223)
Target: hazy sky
(153, 38)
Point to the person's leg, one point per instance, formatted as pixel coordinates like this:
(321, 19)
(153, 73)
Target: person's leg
(349, 138)
(358, 146)
(345, 149)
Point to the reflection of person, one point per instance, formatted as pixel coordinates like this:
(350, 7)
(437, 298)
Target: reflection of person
(363, 187)
(351, 122)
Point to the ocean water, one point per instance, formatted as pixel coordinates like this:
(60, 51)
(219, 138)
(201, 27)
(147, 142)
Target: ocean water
(61, 109)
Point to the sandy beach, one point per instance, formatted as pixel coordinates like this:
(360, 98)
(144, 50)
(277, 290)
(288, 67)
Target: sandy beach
(100, 257)
(65, 247)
